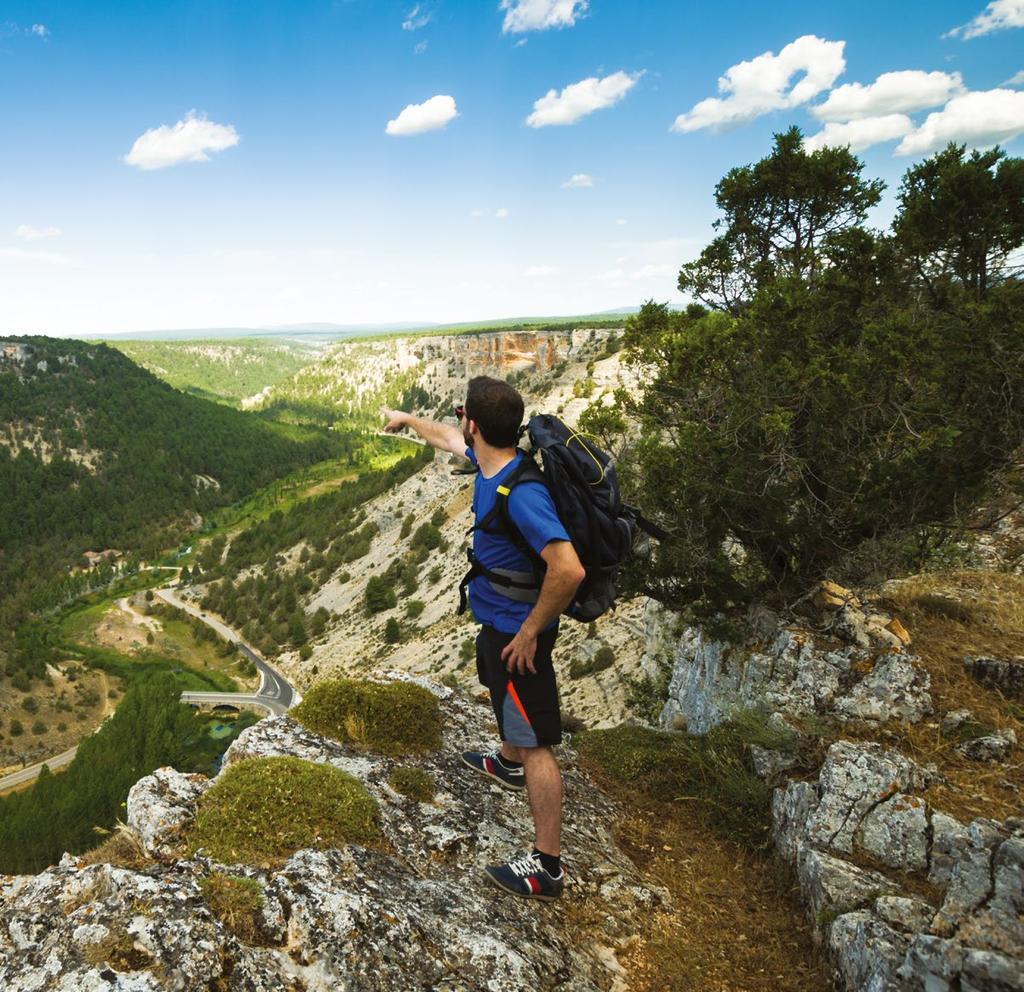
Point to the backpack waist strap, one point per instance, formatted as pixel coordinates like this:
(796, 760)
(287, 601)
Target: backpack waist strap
(522, 587)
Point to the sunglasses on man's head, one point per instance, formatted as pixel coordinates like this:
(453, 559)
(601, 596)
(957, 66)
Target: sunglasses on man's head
(460, 412)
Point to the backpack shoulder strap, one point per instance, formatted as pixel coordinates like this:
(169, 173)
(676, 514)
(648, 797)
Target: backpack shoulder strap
(499, 519)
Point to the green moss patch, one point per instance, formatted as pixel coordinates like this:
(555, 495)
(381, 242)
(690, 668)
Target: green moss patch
(415, 783)
(714, 770)
(262, 810)
(392, 718)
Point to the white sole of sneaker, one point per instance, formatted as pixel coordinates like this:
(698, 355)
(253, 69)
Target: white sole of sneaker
(494, 778)
(516, 892)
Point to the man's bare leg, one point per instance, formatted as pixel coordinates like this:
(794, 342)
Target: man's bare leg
(544, 787)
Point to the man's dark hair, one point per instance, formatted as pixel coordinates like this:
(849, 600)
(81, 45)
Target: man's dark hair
(497, 409)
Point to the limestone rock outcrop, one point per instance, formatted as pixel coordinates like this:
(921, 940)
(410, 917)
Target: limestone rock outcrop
(416, 915)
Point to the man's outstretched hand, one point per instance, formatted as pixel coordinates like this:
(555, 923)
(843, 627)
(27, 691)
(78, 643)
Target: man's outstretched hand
(396, 420)
(518, 653)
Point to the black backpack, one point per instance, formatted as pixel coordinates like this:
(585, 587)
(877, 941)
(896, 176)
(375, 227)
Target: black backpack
(581, 480)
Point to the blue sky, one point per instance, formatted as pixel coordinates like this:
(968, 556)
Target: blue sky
(207, 164)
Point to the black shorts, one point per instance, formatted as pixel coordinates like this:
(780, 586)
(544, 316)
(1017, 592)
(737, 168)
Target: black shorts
(526, 706)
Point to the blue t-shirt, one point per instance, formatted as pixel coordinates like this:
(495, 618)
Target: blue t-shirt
(533, 512)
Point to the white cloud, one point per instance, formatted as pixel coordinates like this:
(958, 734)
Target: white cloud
(997, 16)
(539, 15)
(622, 222)
(890, 93)
(187, 141)
(417, 118)
(1015, 80)
(614, 275)
(24, 255)
(579, 181)
(540, 271)
(29, 233)
(420, 47)
(417, 18)
(521, 42)
(766, 83)
(40, 30)
(476, 213)
(860, 134)
(501, 213)
(978, 120)
(582, 98)
(653, 271)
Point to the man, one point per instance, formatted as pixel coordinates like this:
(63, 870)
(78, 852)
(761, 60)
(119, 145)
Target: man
(513, 648)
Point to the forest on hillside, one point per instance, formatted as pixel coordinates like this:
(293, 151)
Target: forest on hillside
(96, 453)
(223, 371)
(67, 812)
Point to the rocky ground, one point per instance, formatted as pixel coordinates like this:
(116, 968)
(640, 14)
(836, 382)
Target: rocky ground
(415, 915)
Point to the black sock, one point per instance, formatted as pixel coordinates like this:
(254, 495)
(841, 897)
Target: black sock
(552, 863)
(510, 765)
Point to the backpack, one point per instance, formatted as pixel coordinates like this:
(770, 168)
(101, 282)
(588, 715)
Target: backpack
(581, 480)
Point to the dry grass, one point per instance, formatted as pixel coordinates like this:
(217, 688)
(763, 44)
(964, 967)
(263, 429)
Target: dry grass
(237, 902)
(120, 952)
(951, 615)
(736, 926)
(122, 848)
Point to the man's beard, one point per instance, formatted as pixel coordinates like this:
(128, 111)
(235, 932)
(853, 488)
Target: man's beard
(467, 437)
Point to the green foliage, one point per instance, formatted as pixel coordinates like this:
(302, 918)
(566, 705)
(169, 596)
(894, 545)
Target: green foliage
(262, 810)
(833, 408)
(407, 526)
(413, 608)
(392, 632)
(439, 517)
(426, 536)
(467, 650)
(224, 371)
(379, 595)
(603, 658)
(714, 769)
(392, 717)
(150, 728)
(960, 218)
(415, 783)
(16, 728)
(126, 460)
(780, 217)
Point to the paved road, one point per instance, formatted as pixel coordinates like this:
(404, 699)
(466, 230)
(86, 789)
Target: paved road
(29, 772)
(275, 694)
(273, 686)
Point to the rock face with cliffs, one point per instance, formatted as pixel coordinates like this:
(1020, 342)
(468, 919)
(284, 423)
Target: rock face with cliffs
(414, 915)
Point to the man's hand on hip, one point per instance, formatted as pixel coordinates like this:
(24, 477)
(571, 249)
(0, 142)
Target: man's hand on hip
(518, 653)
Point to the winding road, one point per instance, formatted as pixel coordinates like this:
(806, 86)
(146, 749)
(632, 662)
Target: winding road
(275, 693)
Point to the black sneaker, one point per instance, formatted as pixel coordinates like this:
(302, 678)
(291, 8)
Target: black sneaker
(526, 877)
(490, 765)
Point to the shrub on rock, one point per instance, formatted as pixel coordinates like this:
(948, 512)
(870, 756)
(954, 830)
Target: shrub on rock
(262, 810)
(391, 717)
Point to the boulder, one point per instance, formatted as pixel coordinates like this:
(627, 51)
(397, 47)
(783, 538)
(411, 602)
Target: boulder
(894, 689)
(161, 807)
(996, 746)
(896, 833)
(1004, 674)
(854, 780)
(867, 953)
